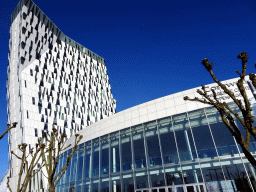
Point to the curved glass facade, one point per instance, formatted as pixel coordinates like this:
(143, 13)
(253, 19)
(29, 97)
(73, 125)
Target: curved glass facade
(192, 151)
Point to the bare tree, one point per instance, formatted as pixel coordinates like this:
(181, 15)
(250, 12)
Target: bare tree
(8, 128)
(225, 111)
(27, 166)
(55, 147)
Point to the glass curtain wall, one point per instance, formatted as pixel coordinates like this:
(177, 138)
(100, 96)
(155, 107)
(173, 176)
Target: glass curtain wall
(189, 149)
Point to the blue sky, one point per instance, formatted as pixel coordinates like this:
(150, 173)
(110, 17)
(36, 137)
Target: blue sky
(151, 48)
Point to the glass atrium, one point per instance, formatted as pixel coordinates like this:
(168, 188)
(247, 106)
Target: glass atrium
(190, 152)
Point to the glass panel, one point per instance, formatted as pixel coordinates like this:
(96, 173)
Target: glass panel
(95, 185)
(105, 184)
(104, 155)
(114, 151)
(190, 189)
(157, 177)
(66, 187)
(73, 166)
(80, 163)
(126, 150)
(78, 186)
(59, 168)
(95, 157)
(139, 149)
(141, 180)
(71, 187)
(63, 163)
(200, 188)
(170, 189)
(252, 145)
(213, 176)
(236, 176)
(87, 160)
(184, 139)
(154, 154)
(67, 174)
(128, 183)
(168, 144)
(116, 184)
(252, 174)
(224, 141)
(162, 190)
(173, 176)
(202, 137)
(191, 174)
(86, 185)
(179, 189)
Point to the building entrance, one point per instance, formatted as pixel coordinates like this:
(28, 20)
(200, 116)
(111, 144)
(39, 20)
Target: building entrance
(197, 187)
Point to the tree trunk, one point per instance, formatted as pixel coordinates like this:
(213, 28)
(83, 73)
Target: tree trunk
(249, 156)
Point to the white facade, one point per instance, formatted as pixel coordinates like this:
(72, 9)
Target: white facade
(52, 81)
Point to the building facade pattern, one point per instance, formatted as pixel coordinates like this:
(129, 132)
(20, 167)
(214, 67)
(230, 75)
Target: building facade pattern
(51, 81)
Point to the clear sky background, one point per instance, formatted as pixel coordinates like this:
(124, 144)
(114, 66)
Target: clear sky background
(151, 48)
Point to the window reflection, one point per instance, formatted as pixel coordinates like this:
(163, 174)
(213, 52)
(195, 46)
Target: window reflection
(126, 150)
(110, 160)
(80, 163)
(73, 167)
(157, 177)
(68, 169)
(183, 138)
(104, 155)
(168, 144)
(224, 142)
(95, 157)
(154, 155)
(139, 150)
(87, 160)
(95, 185)
(252, 145)
(105, 185)
(114, 151)
(116, 184)
(128, 182)
(78, 186)
(141, 180)
(173, 175)
(202, 137)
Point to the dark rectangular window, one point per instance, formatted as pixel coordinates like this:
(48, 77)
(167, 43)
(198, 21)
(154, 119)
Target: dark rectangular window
(22, 60)
(24, 30)
(31, 72)
(35, 132)
(23, 44)
(27, 115)
(25, 83)
(33, 100)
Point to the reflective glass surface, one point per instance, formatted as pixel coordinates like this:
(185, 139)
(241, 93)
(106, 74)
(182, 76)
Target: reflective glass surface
(193, 151)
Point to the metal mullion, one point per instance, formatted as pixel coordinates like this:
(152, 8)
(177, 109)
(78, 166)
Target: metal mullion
(177, 149)
(133, 163)
(215, 148)
(161, 152)
(109, 162)
(90, 169)
(245, 167)
(195, 144)
(120, 161)
(99, 176)
(242, 160)
(146, 155)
